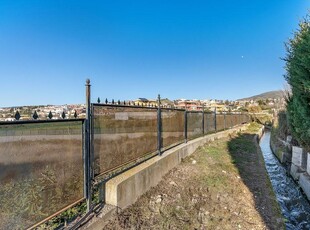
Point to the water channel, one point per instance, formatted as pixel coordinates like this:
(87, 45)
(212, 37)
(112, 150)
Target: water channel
(294, 205)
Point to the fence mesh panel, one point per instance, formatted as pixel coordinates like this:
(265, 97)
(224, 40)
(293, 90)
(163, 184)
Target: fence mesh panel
(220, 122)
(172, 127)
(121, 135)
(194, 124)
(209, 123)
(235, 119)
(41, 171)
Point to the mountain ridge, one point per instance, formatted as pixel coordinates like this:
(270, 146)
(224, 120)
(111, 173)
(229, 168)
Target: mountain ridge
(276, 94)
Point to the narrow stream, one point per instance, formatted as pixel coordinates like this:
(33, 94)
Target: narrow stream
(295, 208)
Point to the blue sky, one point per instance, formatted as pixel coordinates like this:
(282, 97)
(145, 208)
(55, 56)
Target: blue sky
(129, 49)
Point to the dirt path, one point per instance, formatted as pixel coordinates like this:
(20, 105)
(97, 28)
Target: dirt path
(223, 185)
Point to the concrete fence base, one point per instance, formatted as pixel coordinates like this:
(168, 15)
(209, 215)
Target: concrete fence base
(124, 189)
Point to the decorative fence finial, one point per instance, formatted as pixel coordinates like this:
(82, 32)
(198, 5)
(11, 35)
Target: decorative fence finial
(106, 101)
(98, 100)
(75, 114)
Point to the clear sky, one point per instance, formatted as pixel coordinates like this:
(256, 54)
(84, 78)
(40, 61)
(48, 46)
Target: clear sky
(204, 49)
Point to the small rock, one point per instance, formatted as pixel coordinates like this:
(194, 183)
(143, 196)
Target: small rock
(178, 196)
(153, 207)
(223, 171)
(158, 200)
(194, 162)
(194, 201)
(173, 183)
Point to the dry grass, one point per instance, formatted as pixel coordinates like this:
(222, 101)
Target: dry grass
(209, 190)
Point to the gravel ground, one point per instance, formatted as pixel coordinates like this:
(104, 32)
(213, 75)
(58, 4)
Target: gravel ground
(223, 185)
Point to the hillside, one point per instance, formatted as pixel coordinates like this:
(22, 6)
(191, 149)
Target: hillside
(271, 94)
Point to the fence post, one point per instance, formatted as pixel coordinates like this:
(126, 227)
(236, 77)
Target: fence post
(185, 123)
(224, 120)
(159, 144)
(87, 168)
(203, 121)
(215, 120)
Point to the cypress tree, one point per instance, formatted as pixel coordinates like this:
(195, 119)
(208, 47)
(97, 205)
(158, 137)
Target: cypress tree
(50, 115)
(17, 115)
(298, 76)
(35, 115)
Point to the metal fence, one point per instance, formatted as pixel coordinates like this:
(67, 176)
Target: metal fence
(41, 170)
(126, 133)
(49, 166)
(172, 128)
(122, 134)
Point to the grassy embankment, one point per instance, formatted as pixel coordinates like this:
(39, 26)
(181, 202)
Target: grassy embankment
(223, 185)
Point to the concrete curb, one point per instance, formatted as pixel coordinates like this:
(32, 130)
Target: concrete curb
(124, 189)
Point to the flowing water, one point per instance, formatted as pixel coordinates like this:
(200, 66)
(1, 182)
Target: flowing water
(294, 205)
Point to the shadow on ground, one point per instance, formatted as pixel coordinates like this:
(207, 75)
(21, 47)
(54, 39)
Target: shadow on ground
(247, 157)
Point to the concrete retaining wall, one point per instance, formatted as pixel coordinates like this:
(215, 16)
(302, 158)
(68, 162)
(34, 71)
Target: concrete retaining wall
(297, 153)
(308, 163)
(304, 178)
(124, 189)
(299, 162)
(300, 165)
(304, 181)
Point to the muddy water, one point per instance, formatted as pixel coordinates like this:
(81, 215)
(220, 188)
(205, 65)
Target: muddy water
(295, 208)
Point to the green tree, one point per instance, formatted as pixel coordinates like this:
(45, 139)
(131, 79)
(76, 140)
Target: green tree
(254, 109)
(50, 115)
(17, 115)
(298, 77)
(35, 115)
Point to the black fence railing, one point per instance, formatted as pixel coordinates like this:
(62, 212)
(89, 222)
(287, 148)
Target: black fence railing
(48, 166)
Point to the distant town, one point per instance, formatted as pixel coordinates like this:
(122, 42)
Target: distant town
(43, 112)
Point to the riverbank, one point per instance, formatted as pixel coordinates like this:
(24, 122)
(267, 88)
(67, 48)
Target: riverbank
(223, 185)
